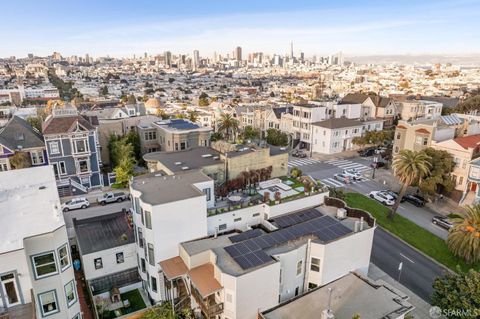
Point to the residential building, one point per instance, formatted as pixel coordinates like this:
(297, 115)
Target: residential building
(19, 136)
(220, 164)
(463, 150)
(474, 179)
(351, 295)
(73, 150)
(36, 273)
(108, 252)
(167, 210)
(414, 109)
(373, 106)
(336, 135)
(172, 135)
(236, 275)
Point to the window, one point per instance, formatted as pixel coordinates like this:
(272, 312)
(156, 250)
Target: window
(143, 265)
(149, 136)
(83, 165)
(62, 168)
(418, 139)
(299, 267)
(48, 303)
(141, 215)
(119, 257)
(37, 157)
(151, 255)
(136, 204)
(399, 136)
(77, 316)
(183, 145)
(44, 265)
(64, 258)
(222, 227)
(54, 148)
(140, 237)
(312, 285)
(148, 219)
(460, 180)
(296, 291)
(70, 293)
(425, 141)
(154, 284)
(315, 264)
(80, 146)
(207, 192)
(98, 263)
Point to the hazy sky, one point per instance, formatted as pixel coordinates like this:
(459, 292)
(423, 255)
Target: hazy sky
(122, 28)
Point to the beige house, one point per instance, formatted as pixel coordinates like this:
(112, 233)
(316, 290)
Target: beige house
(373, 106)
(414, 109)
(463, 150)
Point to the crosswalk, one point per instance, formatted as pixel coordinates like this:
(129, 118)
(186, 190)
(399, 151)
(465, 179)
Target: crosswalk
(301, 162)
(333, 182)
(346, 164)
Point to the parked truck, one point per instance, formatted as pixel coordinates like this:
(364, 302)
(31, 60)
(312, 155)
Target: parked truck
(111, 197)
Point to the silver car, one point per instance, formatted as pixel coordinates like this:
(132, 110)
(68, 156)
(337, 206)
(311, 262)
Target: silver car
(76, 203)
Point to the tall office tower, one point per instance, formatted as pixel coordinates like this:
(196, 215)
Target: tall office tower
(196, 59)
(215, 57)
(302, 57)
(238, 53)
(87, 58)
(30, 55)
(340, 60)
(145, 55)
(291, 50)
(168, 59)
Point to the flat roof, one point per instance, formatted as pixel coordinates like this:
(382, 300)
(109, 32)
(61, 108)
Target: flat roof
(175, 125)
(194, 158)
(159, 189)
(103, 232)
(29, 205)
(352, 294)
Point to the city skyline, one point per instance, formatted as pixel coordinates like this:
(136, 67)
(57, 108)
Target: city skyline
(122, 30)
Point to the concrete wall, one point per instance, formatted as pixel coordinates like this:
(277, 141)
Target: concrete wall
(289, 278)
(258, 159)
(17, 262)
(109, 261)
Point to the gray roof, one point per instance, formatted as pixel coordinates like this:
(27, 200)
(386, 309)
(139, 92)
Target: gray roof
(102, 232)
(275, 150)
(18, 132)
(157, 189)
(193, 158)
(351, 294)
(177, 124)
(338, 123)
(278, 111)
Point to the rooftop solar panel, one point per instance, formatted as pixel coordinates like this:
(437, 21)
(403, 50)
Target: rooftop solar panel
(246, 235)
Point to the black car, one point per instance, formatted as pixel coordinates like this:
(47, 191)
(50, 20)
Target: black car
(416, 200)
(367, 152)
(299, 154)
(378, 164)
(442, 221)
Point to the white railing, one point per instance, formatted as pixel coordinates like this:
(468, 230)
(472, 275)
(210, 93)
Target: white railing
(78, 186)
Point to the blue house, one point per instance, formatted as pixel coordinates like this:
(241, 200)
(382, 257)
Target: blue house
(72, 148)
(19, 136)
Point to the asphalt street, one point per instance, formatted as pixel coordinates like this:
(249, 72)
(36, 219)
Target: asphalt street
(418, 272)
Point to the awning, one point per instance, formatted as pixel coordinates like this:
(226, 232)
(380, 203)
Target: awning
(203, 279)
(173, 267)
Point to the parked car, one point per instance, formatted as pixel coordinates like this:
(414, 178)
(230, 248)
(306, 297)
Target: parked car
(391, 193)
(416, 200)
(378, 164)
(442, 221)
(367, 152)
(382, 197)
(111, 197)
(381, 150)
(299, 154)
(352, 173)
(342, 177)
(75, 203)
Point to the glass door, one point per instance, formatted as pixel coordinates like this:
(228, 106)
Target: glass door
(10, 290)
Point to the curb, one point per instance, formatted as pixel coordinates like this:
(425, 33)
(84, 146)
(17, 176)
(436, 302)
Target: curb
(419, 251)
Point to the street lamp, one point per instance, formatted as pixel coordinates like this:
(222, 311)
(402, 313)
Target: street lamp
(375, 163)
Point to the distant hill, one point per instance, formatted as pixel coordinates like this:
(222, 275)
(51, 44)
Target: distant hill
(464, 60)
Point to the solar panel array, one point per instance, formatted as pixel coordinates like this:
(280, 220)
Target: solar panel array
(295, 218)
(246, 235)
(249, 252)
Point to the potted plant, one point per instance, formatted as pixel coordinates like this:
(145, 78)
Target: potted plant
(266, 197)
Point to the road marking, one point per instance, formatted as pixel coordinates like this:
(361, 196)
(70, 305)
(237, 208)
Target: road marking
(338, 162)
(407, 258)
(351, 165)
(333, 182)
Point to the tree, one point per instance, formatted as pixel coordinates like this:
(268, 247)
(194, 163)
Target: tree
(203, 99)
(228, 125)
(20, 160)
(296, 172)
(464, 237)
(272, 94)
(408, 167)
(125, 164)
(458, 291)
(180, 116)
(249, 133)
(161, 114)
(276, 137)
(439, 178)
(163, 311)
(35, 122)
(133, 138)
(359, 141)
(217, 136)
(192, 116)
(131, 99)
(469, 105)
(104, 90)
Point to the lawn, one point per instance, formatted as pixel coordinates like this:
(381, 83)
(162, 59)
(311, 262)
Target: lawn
(410, 232)
(136, 303)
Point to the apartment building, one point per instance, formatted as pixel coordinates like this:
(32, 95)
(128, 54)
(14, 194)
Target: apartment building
(19, 136)
(335, 135)
(236, 275)
(172, 135)
(73, 149)
(373, 106)
(463, 150)
(36, 273)
(108, 252)
(167, 210)
(414, 109)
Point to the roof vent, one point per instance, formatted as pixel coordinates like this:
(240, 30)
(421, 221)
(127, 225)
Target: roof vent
(178, 163)
(185, 168)
(42, 187)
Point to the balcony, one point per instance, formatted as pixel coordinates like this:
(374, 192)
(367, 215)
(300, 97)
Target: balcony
(210, 308)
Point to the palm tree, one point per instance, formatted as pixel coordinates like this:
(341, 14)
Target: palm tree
(464, 237)
(228, 124)
(193, 116)
(409, 167)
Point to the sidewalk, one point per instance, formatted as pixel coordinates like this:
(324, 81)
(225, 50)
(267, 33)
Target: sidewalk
(421, 307)
(92, 195)
(342, 155)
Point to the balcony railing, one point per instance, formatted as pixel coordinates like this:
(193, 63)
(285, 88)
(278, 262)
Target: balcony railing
(208, 305)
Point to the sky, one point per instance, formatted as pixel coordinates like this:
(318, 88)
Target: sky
(122, 28)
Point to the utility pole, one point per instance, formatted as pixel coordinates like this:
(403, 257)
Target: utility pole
(375, 163)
